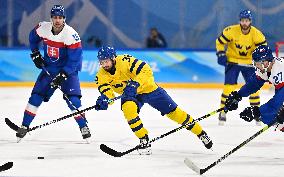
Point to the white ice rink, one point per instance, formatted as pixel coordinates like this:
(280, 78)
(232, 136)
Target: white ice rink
(67, 155)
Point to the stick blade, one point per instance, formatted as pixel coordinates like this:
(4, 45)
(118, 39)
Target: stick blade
(11, 124)
(110, 151)
(192, 166)
(6, 166)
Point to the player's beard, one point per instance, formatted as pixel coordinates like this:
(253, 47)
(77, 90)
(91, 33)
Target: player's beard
(111, 69)
(245, 27)
(107, 68)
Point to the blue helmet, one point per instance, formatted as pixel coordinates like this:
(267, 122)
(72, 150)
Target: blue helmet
(57, 10)
(245, 14)
(262, 53)
(106, 52)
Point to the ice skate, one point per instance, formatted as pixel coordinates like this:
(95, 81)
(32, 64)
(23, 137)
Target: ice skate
(145, 146)
(21, 133)
(86, 134)
(205, 139)
(222, 118)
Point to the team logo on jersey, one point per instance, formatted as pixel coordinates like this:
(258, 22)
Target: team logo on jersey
(248, 47)
(244, 54)
(238, 46)
(53, 53)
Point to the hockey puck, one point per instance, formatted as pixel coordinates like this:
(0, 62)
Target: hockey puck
(40, 157)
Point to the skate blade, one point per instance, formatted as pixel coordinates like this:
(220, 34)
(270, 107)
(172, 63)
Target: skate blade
(144, 152)
(221, 123)
(19, 139)
(258, 123)
(88, 140)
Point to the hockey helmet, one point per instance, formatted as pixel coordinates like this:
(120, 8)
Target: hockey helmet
(57, 10)
(106, 52)
(245, 14)
(262, 53)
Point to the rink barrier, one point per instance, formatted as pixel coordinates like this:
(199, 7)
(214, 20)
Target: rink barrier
(164, 85)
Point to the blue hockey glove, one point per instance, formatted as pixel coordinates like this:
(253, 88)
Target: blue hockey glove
(222, 58)
(250, 113)
(58, 80)
(232, 101)
(280, 115)
(131, 89)
(37, 59)
(102, 103)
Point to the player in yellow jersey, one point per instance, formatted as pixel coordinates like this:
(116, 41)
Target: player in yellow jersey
(234, 51)
(134, 80)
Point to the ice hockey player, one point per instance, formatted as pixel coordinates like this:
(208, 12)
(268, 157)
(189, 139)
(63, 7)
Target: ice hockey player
(62, 59)
(240, 40)
(134, 80)
(268, 69)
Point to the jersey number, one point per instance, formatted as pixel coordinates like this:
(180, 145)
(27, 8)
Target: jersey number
(76, 37)
(278, 78)
(126, 57)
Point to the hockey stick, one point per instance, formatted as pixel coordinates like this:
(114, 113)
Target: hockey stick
(200, 171)
(115, 153)
(16, 127)
(6, 166)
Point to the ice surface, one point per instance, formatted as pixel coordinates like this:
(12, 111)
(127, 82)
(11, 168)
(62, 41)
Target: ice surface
(66, 154)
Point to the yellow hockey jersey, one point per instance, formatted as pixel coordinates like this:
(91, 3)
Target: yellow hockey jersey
(127, 68)
(239, 46)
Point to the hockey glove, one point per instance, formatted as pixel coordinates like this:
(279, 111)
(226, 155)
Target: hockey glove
(250, 113)
(222, 58)
(37, 59)
(58, 80)
(232, 101)
(280, 115)
(130, 90)
(102, 103)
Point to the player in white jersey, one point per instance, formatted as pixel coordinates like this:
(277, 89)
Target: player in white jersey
(268, 69)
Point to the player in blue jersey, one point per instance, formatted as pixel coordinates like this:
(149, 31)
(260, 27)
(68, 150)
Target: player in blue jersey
(60, 64)
(268, 69)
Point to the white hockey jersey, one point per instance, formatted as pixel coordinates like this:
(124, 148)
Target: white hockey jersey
(276, 76)
(61, 51)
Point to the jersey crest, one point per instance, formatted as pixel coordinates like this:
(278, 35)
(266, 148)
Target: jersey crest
(53, 53)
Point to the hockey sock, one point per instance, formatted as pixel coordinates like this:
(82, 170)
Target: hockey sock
(29, 114)
(181, 117)
(254, 99)
(81, 121)
(130, 111)
(227, 90)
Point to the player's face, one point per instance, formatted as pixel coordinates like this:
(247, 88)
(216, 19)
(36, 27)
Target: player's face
(106, 64)
(57, 21)
(245, 23)
(262, 66)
